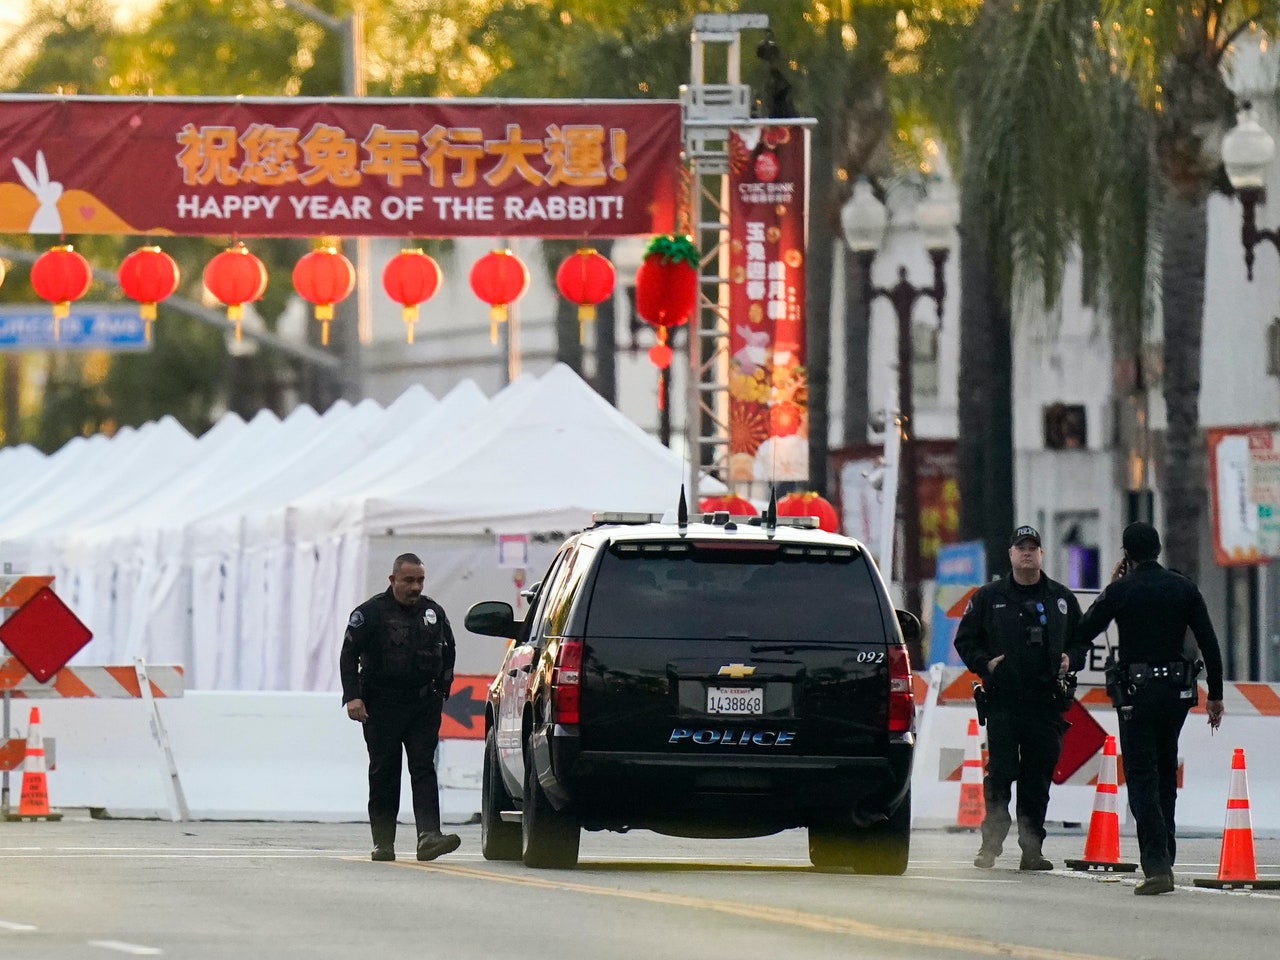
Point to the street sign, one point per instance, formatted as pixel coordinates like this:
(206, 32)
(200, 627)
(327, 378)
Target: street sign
(1084, 738)
(90, 326)
(44, 634)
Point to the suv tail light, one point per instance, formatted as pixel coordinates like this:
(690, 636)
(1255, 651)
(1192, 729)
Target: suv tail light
(565, 682)
(902, 704)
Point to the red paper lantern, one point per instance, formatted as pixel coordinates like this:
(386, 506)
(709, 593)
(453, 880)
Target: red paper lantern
(499, 278)
(148, 275)
(324, 277)
(61, 275)
(810, 505)
(666, 293)
(410, 278)
(732, 504)
(667, 281)
(585, 278)
(236, 277)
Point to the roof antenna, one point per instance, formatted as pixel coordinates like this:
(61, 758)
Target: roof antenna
(771, 511)
(682, 511)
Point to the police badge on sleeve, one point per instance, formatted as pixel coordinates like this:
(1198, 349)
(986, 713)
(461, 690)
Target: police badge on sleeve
(430, 618)
(1062, 606)
(357, 619)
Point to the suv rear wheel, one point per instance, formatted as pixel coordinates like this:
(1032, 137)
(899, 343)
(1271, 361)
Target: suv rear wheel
(549, 837)
(881, 849)
(499, 840)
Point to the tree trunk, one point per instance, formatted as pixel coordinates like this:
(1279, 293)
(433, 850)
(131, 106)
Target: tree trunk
(568, 339)
(985, 444)
(606, 346)
(1182, 470)
(857, 334)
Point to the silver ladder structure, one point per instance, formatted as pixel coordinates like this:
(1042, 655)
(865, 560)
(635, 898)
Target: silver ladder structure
(711, 110)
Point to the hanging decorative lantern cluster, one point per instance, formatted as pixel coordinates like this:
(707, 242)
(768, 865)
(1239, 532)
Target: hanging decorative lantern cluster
(499, 278)
(148, 275)
(809, 504)
(411, 278)
(731, 504)
(61, 275)
(236, 277)
(666, 284)
(324, 277)
(585, 278)
(667, 292)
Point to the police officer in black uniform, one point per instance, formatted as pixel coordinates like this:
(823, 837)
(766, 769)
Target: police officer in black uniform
(1153, 608)
(1020, 635)
(397, 668)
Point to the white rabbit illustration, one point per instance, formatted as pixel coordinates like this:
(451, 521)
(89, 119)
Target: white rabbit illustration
(754, 352)
(47, 218)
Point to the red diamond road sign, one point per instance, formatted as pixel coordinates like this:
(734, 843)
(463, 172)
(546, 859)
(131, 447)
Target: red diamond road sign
(1084, 737)
(44, 634)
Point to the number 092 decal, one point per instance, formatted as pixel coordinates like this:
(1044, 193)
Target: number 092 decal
(869, 656)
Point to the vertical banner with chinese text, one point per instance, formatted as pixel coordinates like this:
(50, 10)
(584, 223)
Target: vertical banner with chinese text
(768, 385)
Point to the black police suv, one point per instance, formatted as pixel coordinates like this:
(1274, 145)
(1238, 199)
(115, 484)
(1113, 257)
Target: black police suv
(713, 678)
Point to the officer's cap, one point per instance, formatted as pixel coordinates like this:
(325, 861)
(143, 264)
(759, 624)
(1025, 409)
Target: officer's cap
(1025, 532)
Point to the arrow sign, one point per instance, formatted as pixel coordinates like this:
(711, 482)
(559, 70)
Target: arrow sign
(463, 716)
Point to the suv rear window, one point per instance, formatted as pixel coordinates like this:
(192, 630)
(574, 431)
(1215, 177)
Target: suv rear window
(749, 590)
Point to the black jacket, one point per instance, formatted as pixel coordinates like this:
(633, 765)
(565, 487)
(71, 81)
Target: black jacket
(396, 650)
(997, 621)
(1153, 608)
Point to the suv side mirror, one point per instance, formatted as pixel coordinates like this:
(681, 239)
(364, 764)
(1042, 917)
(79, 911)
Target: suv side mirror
(491, 618)
(908, 623)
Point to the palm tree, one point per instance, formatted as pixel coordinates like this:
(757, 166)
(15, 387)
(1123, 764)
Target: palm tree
(1137, 89)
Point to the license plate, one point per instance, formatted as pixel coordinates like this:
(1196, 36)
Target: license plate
(737, 701)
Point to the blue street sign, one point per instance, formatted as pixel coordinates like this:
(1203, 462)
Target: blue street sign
(91, 326)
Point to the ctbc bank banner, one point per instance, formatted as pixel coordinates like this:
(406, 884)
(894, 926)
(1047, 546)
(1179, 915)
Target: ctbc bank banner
(300, 167)
(768, 380)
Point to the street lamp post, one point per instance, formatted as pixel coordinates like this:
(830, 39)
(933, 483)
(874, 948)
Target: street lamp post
(1246, 151)
(863, 219)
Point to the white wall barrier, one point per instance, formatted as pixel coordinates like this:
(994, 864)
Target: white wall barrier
(296, 756)
(240, 756)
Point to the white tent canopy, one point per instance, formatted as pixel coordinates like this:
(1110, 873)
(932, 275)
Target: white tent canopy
(240, 554)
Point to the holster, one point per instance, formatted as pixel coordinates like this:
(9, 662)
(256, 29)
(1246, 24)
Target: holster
(1114, 677)
(980, 702)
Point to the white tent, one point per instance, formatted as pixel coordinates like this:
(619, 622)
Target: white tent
(241, 554)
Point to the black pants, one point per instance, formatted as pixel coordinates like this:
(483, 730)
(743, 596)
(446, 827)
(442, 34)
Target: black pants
(1024, 740)
(415, 727)
(1149, 745)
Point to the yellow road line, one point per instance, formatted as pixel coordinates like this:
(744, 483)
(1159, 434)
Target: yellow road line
(793, 918)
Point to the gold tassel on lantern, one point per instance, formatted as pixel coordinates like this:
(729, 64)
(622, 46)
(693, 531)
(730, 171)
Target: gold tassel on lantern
(235, 313)
(324, 313)
(586, 313)
(497, 315)
(409, 314)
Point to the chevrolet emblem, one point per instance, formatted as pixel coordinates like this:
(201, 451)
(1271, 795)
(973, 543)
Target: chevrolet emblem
(736, 670)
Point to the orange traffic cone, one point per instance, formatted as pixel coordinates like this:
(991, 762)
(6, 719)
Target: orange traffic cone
(1102, 846)
(1236, 866)
(972, 805)
(34, 801)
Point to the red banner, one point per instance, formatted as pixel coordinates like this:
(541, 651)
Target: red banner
(768, 383)
(299, 167)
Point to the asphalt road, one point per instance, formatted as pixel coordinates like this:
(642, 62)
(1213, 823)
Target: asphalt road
(81, 889)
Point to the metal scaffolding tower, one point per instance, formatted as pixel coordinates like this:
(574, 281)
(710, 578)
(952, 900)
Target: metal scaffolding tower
(711, 110)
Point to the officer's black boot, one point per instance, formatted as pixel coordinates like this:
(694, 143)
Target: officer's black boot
(384, 841)
(433, 843)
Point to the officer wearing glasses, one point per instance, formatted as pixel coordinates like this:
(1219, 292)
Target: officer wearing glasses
(1020, 635)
